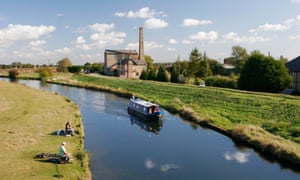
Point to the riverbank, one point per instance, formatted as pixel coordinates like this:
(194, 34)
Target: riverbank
(28, 119)
(269, 123)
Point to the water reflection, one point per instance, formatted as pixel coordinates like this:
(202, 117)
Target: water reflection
(239, 157)
(149, 164)
(150, 126)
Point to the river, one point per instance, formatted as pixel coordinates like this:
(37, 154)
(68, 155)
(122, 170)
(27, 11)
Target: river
(124, 148)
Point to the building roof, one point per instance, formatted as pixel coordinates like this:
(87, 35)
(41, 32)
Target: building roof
(121, 51)
(136, 62)
(294, 65)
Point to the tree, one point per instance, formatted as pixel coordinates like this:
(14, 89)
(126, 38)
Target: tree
(240, 56)
(198, 65)
(216, 68)
(144, 75)
(149, 62)
(162, 75)
(13, 74)
(194, 63)
(152, 74)
(174, 74)
(62, 65)
(263, 73)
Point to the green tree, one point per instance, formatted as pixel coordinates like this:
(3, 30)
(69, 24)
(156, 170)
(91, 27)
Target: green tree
(194, 63)
(62, 65)
(149, 62)
(263, 73)
(144, 75)
(45, 72)
(152, 74)
(162, 75)
(174, 74)
(216, 68)
(198, 65)
(240, 56)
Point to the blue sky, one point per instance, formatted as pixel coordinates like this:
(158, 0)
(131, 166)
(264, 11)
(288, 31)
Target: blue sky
(42, 31)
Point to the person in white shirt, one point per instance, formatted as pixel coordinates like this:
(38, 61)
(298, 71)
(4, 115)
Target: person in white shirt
(63, 153)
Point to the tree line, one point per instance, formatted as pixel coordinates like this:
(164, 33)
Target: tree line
(253, 72)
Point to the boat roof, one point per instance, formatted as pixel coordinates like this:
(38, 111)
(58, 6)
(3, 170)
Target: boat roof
(143, 102)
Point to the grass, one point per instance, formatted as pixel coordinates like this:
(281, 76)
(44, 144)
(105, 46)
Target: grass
(28, 117)
(232, 111)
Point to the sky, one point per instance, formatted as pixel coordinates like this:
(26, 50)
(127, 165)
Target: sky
(46, 31)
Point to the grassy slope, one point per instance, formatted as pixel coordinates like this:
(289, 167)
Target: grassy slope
(28, 117)
(268, 122)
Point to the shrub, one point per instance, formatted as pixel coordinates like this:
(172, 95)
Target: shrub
(75, 69)
(220, 81)
(45, 72)
(13, 74)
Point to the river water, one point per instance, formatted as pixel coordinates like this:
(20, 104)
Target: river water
(124, 148)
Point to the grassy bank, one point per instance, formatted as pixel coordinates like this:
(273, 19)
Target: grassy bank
(28, 117)
(270, 123)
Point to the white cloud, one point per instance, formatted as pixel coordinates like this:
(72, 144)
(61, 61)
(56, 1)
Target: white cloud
(64, 50)
(295, 1)
(143, 13)
(210, 36)
(171, 49)
(37, 43)
(60, 15)
(152, 45)
(80, 40)
(101, 27)
(237, 156)
(120, 14)
(294, 37)
(24, 32)
(102, 37)
(186, 41)
(269, 27)
(84, 47)
(112, 36)
(154, 23)
(232, 36)
(195, 22)
(148, 45)
(172, 41)
(293, 21)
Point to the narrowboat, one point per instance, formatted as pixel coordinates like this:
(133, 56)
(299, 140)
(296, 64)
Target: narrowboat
(145, 110)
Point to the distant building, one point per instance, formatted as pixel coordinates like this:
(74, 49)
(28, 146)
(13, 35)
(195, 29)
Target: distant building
(294, 70)
(125, 63)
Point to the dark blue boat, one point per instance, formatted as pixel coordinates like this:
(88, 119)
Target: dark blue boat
(144, 109)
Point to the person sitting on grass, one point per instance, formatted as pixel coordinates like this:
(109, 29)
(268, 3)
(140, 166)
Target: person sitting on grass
(63, 153)
(69, 130)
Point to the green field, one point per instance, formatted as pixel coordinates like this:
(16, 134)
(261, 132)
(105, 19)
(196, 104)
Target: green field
(28, 117)
(268, 122)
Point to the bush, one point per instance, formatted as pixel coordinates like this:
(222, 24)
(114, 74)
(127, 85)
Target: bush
(13, 74)
(45, 72)
(75, 69)
(219, 81)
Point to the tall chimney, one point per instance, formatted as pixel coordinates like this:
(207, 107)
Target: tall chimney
(141, 43)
